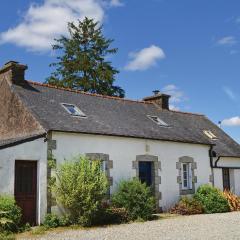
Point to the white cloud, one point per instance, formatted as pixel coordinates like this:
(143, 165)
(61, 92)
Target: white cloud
(229, 93)
(42, 23)
(173, 107)
(177, 96)
(227, 41)
(116, 3)
(145, 58)
(234, 121)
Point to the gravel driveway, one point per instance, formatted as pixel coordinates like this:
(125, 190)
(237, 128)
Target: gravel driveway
(204, 227)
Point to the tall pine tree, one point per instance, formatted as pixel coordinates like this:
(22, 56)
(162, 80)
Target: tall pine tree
(82, 63)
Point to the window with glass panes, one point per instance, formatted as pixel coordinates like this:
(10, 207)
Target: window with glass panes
(186, 176)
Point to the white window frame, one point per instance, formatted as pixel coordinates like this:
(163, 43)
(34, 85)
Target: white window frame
(103, 165)
(158, 121)
(79, 113)
(188, 177)
(210, 134)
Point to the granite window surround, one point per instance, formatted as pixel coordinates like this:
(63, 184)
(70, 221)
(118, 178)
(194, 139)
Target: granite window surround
(182, 160)
(107, 163)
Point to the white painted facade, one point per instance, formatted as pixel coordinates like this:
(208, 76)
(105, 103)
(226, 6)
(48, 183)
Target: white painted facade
(122, 151)
(30, 151)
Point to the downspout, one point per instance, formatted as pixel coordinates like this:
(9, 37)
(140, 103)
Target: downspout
(211, 163)
(210, 156)
(215, 165)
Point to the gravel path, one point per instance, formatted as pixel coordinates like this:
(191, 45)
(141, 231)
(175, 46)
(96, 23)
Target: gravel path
(202, 227)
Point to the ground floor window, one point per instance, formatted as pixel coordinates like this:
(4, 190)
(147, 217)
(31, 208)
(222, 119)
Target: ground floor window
(106, 163)
(186, 176)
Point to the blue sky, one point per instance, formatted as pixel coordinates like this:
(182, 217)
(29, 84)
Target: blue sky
(188, 48)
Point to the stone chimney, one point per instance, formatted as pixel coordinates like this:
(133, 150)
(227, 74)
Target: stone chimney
(13, 72)
(160, 99)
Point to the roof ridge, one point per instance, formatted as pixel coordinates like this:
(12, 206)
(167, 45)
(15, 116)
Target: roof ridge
(197, 114)
(104, 96)
(86, 93)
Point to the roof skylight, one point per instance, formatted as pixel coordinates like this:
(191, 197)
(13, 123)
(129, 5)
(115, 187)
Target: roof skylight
(73, 110)
(210, 134)
(158, 121)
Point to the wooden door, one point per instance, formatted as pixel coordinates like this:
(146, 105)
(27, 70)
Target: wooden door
(145, 173)
(26, 189)
(226, 179)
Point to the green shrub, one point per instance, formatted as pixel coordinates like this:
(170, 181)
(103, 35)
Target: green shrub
(136, 198)
(53, 221)
(212, 199)
(81, 187)
(10, 214)
(7, 236)
(187, 206)
(25, 227)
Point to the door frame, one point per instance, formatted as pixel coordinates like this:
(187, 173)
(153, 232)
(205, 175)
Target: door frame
(157, 177)
(229, 180)
(37, 214)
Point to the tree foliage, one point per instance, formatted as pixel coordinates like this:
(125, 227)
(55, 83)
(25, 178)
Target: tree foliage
(82, 63)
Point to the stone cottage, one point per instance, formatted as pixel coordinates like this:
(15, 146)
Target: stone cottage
(172, 151)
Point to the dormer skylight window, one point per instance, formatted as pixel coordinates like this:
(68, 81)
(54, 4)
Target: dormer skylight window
(158, 121)
(210, 135)
(73, 110)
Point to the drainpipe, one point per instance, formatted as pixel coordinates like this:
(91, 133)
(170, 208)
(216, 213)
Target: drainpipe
(210, 156)
(215, 165)
(211, 163)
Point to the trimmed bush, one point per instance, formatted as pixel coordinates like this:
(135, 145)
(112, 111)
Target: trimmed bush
(212, 199)
(10, 214)
(136, 198)
(81, 187)
(233, 200)
(187, 206)
(52, 221)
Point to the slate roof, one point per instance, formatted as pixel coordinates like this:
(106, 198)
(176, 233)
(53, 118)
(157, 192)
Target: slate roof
(119, 117)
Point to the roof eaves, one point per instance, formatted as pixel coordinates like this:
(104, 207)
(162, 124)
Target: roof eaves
(136, 137)
(15, 142)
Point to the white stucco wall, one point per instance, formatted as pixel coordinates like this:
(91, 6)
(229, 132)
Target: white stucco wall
(30, 151)
(124, 150)
(237, 181)
(218, 182)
